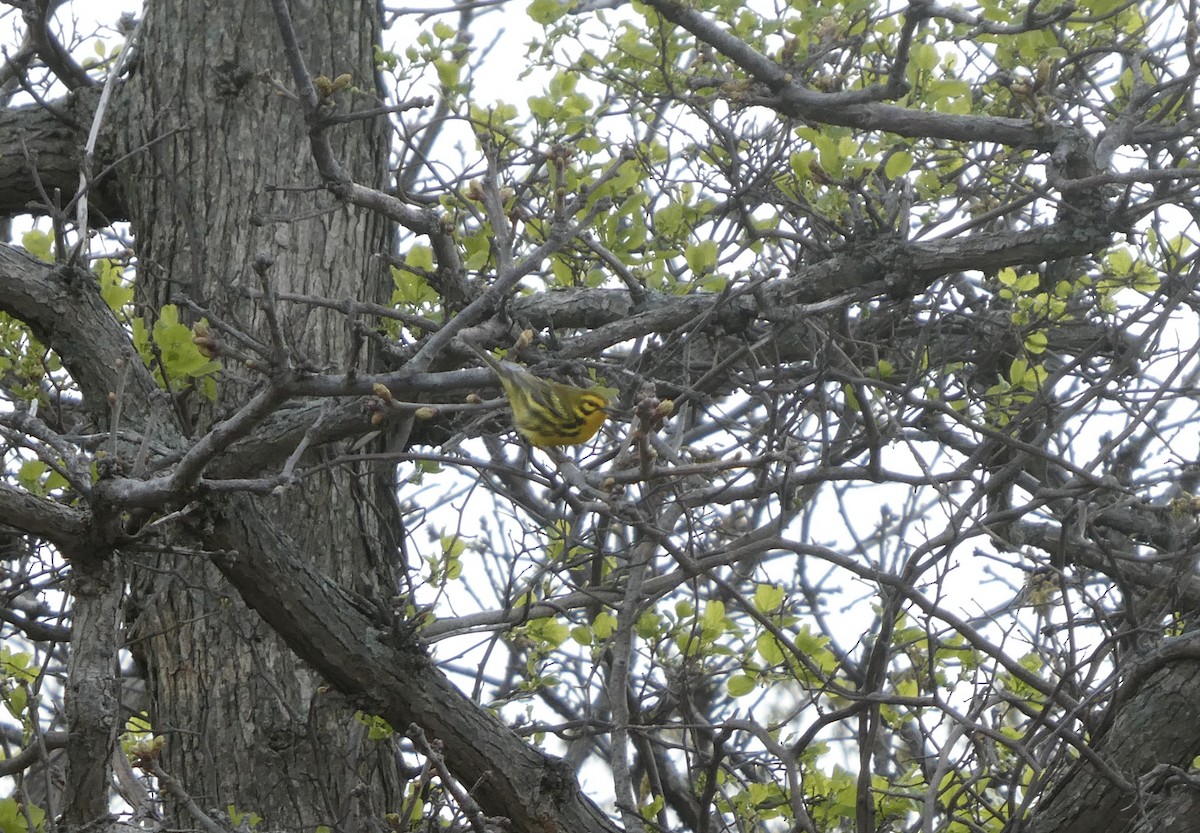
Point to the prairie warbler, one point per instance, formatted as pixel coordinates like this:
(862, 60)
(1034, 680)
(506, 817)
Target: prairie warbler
(548, 413)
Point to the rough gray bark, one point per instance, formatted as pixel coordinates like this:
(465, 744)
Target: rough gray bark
(92, 687)
(220, 179)
(1156, 725)
(43, 151)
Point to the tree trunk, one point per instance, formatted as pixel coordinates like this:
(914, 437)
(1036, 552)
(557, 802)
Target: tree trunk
(224, 180)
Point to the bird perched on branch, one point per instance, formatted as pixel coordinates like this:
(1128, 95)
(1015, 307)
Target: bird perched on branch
(548, 413)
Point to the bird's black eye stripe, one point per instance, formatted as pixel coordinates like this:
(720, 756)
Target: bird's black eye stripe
(591, 403)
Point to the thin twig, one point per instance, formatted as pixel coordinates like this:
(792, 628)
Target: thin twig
(433, 753)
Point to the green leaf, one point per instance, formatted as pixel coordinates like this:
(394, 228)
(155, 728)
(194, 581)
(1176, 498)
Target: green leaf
(768, 597)
(181, 358)
(800, 162)
(604, 625)
(238, 818)
(564, 275)
(1035, 377)
(814, 646)
(898, 164)
(411, 287)
(549, 630)
(54, 480)
(16, 701)
(713, 618)
(651, 810)
(1120, 261)
(12, 817)
(113, 288)
(851, 398)
(453, 546)
(1017, 370)
(546, 12)
(1027, 283)
(701, 257)
(769, 649)
(1036, 342)
(740, 685)
(542, 107)
(181, 361)
(448, 72)
(648, 625)
(925, 56)
(17, 666)
(377, 727)
(582, 634)
(29, 476)
(138, 724)
(384, 59)
(39, 244)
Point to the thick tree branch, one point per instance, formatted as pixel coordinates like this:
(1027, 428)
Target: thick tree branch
(33, 753)
(37, 17)
(63, 525)
(849, 109)
(64, 309)
(389, 674)
(41, 153)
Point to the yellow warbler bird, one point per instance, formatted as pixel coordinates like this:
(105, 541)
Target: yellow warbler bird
(548, 413)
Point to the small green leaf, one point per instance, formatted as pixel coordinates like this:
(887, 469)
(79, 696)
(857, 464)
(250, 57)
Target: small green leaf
(650, 811)
(377, 727)
(1120, 261)
(39, 244)
(419, 257)
(769, 649)
(582, 634)
(238, 818)
(768, 597)
(1027, 283)
(925, 56)
(1017, 370)
(113, 288)
(29, 475)
(453, 545)
(546, 12)
(851, 398)
(648, 625)
(448, 72)
(604, 625)
(898, 164)
(16, 701)
(714, 616)
(12, 816)
(740, 685)
(701, 257)
(1034, 378)
(17, 666)
(1036, 342)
